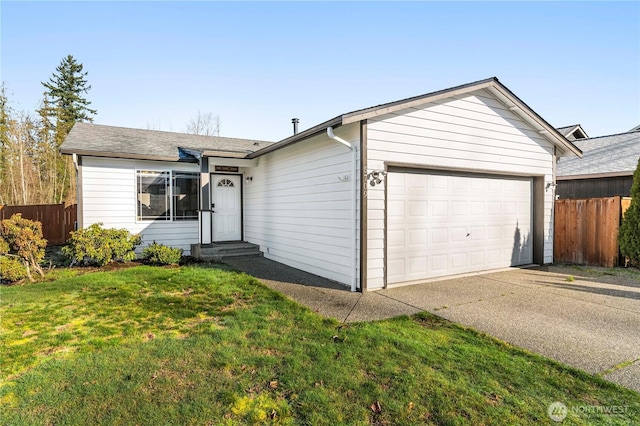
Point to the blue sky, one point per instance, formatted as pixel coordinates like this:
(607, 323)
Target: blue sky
(257, 65)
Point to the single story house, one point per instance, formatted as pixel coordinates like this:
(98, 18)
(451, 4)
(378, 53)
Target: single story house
(605, 170)
(451, 182)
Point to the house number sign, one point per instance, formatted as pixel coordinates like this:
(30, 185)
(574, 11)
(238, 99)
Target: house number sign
(228, 169)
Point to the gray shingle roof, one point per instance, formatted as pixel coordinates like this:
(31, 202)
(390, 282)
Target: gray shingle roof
(95, 139)
(614, 154)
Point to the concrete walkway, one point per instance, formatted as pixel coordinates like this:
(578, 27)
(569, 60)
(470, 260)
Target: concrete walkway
(590, 323)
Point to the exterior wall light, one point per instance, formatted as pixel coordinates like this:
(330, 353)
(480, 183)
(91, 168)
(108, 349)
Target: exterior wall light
(376, 177)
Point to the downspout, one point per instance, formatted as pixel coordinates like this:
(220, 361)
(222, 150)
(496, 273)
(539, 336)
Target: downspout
(354, 188)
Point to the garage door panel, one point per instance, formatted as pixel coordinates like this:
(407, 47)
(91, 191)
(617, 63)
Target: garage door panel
(438, 263)
(417, 208)
(396, 238)
(417, 238)
(493, 232)
(395, 209)
(418, 265)
(458, 260)
(477, 233)
(456, 224)
(459, 234)
(395, 269)
(418, 182)
(439, 208)
(438, 183)
(458, 208)
(439, 236)
(477, 258)
(477, 208)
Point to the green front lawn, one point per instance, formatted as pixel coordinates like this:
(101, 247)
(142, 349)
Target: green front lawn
(199, 345)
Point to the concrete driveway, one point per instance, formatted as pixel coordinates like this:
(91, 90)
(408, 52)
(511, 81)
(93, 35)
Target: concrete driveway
(591, 322)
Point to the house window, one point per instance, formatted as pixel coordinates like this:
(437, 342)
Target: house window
(186, 187)
(226, 183)
(167, 195)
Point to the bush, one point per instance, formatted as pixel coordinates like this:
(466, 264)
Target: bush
(159, 254)
(21, 241)
(629, 235)
(11, 269)
(97, 245)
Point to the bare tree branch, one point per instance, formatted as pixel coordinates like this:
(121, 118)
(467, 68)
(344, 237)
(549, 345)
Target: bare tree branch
(205, 124)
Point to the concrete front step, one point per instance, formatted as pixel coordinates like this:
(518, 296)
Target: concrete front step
(222, 251)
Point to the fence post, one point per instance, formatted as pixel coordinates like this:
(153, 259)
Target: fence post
(61, 215)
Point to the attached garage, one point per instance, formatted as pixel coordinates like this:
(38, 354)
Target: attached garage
(443, 223)
(459, 181)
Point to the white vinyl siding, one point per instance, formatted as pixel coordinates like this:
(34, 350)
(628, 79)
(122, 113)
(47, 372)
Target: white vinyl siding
(472, 132)
(297, 206)
(109, 196)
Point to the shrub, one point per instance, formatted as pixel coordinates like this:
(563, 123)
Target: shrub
(629, 235)
(22, 241)
(98, 245)
(11, 269)
(159, 254)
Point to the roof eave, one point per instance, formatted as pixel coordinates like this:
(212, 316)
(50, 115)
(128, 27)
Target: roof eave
(595, 175)
(320, 128)
(391, 107)
(515, 104)
(225, 154)
(118, 155)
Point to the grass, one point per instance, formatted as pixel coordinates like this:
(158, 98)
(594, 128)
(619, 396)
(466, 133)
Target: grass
(204, 345)
(598, 271)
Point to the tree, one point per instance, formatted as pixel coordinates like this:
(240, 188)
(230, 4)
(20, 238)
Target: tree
(62, 107)
(629, 235)
(4, 141)
(204, 124)
(64, 94)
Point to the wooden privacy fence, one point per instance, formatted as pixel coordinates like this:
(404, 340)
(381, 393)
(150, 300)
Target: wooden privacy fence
(586, 230)
(57, 220)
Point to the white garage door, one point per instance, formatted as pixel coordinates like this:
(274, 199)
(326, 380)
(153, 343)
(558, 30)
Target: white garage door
(447, 224)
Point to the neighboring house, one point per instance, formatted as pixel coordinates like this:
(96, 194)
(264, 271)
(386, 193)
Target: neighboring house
(451, 182)
(605, 170)
(573, 133)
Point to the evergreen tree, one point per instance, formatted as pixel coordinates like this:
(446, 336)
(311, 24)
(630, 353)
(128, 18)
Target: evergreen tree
(65, 102)
(629, 235)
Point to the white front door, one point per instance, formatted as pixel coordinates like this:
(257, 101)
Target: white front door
(226, 207)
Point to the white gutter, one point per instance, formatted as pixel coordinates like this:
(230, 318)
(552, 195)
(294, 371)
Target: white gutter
(354, 206)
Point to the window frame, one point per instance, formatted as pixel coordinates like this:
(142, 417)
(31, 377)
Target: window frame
(170, 197)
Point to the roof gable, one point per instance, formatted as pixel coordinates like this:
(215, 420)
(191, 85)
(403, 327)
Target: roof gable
(573, 132)
(490, 85)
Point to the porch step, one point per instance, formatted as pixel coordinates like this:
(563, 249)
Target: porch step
(221, 251)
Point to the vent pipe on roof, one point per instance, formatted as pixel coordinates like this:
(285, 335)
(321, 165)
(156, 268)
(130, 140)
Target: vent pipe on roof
(295, 122)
